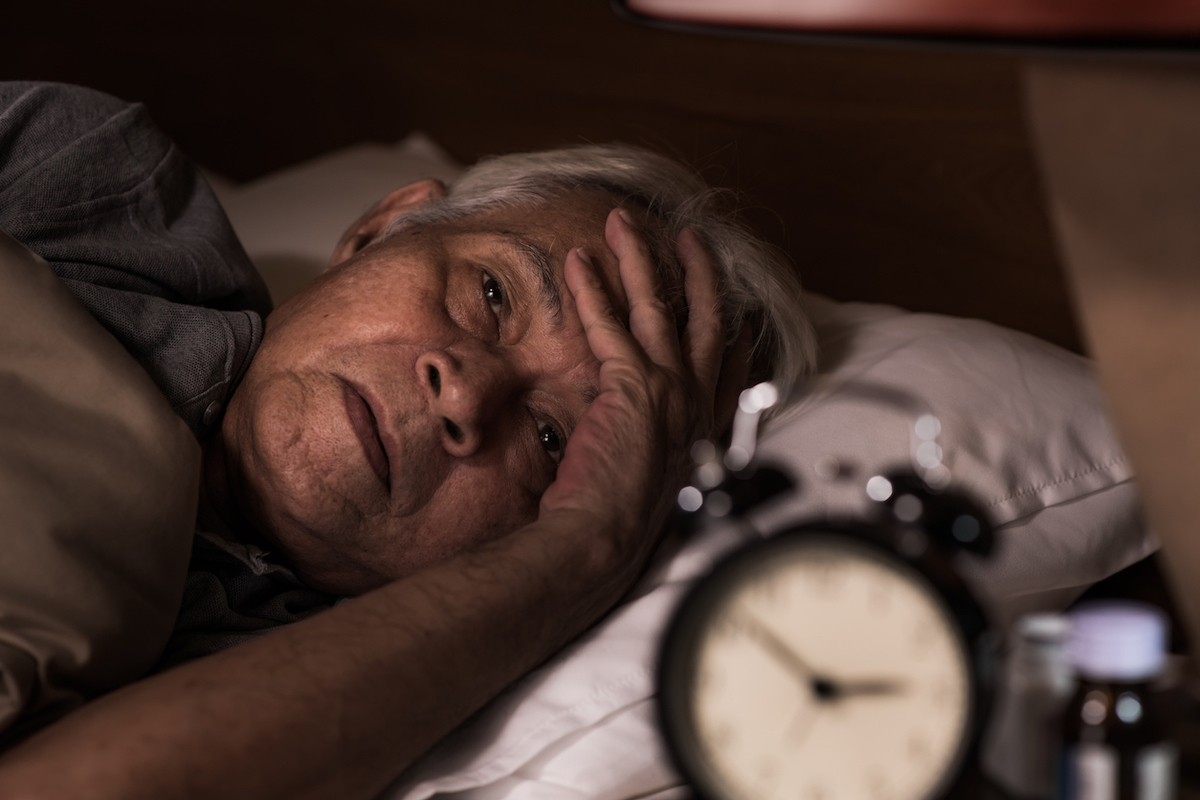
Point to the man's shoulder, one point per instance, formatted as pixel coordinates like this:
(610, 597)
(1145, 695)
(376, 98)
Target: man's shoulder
(67, 102)
(46, 127)
(90, 184)
(34, 95)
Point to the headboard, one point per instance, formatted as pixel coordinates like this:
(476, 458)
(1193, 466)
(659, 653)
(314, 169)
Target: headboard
(889, 174)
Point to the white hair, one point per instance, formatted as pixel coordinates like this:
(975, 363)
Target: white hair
(759, 283)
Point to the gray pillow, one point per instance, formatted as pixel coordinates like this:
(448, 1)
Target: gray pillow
(98, 493)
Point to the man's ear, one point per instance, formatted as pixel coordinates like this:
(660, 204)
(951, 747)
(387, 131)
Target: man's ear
(371, 225)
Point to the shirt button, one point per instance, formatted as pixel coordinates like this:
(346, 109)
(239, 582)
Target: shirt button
(210, 413)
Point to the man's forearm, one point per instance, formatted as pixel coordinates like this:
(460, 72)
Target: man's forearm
(336, 705)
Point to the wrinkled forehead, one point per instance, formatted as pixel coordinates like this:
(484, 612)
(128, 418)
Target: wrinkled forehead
(566, 215)
(566, 219)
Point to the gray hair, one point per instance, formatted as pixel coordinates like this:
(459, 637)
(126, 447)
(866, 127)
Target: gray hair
(759, 283)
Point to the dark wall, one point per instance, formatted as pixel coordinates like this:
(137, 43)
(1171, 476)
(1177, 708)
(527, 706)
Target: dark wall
(889, 174)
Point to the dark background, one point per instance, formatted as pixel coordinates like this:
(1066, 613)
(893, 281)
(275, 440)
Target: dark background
(889, 174)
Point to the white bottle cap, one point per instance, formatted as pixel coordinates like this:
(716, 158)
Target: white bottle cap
(1118, 641)
(1044, 628)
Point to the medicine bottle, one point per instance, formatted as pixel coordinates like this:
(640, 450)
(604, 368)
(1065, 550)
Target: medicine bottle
(1114, 745)
(1021, 747)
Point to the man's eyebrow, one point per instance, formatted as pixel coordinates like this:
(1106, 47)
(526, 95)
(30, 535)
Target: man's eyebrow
(589, 392)
(538, 257)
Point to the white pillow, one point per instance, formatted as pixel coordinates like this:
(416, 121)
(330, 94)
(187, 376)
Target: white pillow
(289, 221)
(1023, 427)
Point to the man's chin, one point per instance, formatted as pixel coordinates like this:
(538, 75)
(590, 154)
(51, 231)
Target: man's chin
(349, 580)
(323, 551)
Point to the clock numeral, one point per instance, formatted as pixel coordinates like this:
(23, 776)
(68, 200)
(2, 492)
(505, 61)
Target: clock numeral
(942, 694)
(768, 592)
(768, 773)
(813, 792)
(877, 786)
(707, 680)
(922, 638)
(729, 626)
(723, 735)
(918, 748)
(879, 598)
(826, 580)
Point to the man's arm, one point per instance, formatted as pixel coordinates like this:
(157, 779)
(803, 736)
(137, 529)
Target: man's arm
(336, 705)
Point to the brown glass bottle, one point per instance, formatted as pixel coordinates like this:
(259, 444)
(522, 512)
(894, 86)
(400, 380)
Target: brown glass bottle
(1115, 745)
(1115, 758)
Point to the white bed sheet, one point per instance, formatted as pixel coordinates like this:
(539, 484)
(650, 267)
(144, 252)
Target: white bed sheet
(583, 725)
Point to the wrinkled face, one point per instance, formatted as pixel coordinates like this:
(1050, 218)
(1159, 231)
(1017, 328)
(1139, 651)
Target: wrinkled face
(416, 398)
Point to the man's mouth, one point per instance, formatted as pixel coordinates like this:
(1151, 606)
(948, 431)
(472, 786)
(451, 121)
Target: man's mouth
(362, 419)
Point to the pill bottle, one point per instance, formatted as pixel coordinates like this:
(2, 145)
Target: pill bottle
(1114, 745)
(1037, 682)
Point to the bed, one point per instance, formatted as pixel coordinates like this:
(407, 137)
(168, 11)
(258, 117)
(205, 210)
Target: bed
(898, 179)
(1024, 430)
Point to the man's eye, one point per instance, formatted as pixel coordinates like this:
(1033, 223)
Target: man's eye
(493, 293)
(550, 440)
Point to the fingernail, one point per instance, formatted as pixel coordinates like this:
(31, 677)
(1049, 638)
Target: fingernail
(583, 256)
(686, 238)
(626, 216)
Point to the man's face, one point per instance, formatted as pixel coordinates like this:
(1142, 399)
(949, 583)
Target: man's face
(416, 398)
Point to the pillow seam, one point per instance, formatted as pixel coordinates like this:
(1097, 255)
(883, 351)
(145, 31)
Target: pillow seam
(1060, 481)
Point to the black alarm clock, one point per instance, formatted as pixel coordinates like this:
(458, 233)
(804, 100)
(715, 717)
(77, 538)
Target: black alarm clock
(834, 659)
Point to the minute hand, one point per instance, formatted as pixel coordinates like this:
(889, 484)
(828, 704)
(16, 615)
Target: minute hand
(777, 647)
(866, 688)
(825, 688)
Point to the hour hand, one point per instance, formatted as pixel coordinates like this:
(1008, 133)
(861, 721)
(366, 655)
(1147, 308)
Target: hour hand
(823, 688)
(864, 688)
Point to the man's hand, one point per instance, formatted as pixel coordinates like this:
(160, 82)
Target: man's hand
(629, 453)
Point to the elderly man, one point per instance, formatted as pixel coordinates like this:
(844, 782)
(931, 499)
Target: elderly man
(474, 423)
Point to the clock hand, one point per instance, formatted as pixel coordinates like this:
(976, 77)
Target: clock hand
(819, 685)
(826, 689)
(802, 723)
(778, 648)
(839, 691)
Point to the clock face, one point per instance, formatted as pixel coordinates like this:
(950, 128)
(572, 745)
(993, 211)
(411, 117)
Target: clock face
(830, 670)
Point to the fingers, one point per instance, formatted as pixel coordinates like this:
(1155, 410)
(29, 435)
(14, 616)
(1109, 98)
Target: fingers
(735, 374)
(652, 329)
(650, 319)
(606, 336)
(704, 338)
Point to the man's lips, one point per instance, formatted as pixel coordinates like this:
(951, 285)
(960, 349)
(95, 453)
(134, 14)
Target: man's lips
(363, 422)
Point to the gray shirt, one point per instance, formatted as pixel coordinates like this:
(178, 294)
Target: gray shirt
(125, 220)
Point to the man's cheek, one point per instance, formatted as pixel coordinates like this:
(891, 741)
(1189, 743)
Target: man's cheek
(490, 504)
(308, 467)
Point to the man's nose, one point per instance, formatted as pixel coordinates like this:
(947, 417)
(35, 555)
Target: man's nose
(466, 391)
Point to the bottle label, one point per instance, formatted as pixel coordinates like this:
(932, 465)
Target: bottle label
(1156, 772)
(1092, 772)
(1094, 769)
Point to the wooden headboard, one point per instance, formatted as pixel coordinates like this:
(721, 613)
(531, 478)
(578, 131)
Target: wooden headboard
(889, 174)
